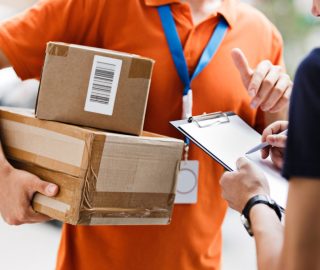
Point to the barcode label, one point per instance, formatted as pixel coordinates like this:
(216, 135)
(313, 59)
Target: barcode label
(103, 85)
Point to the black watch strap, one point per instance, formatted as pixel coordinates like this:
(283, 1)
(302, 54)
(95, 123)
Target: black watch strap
(265, 199)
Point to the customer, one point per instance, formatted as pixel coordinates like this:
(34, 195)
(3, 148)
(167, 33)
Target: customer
(193, 239)
(296, 245)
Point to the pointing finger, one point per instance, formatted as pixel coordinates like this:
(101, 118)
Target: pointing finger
(242, 65)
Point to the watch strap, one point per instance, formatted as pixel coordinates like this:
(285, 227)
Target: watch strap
(264, 199)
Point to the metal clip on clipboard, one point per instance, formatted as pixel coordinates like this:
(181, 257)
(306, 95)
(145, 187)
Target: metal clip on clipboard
(207, 120)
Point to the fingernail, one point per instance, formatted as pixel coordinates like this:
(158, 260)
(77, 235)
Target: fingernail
(51, 189)
(254, 104)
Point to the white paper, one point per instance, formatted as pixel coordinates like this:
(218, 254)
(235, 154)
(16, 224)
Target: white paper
(231, 140)
(103, 85)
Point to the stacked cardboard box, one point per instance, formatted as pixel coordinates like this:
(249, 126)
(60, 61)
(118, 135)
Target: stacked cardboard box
(94, 87)
(104, 178)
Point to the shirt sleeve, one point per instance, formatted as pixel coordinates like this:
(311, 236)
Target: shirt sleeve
(303, 144)
(23, 38)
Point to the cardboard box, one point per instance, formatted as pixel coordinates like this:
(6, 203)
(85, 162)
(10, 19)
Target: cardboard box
(104, 178)
(94, 87)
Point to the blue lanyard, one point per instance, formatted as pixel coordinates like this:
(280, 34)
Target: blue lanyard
(176, 50)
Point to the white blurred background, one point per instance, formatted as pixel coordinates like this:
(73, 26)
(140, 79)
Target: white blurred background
(35, 246)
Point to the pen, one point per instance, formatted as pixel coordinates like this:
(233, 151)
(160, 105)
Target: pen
(264, 144)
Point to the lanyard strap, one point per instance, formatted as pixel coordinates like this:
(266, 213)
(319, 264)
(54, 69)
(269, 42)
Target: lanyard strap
(176, 49)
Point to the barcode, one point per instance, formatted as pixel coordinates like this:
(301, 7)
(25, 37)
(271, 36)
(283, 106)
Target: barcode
(102, 83)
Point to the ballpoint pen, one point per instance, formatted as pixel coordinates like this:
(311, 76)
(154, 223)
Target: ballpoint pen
(264, 144)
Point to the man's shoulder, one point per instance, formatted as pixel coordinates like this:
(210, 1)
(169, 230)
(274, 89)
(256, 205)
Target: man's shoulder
(254, 17)
(245, 9)
(256, 24)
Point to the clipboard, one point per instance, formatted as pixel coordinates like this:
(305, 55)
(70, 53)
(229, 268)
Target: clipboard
(225, 137)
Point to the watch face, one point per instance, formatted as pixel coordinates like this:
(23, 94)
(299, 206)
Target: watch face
(244, 221)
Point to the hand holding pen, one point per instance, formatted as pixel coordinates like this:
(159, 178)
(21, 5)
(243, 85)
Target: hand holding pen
(274, 139)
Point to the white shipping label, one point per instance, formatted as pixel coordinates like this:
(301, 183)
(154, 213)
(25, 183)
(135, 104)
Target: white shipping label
(103, 85)
(187, 186)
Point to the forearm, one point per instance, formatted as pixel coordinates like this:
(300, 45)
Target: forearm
(268, 234)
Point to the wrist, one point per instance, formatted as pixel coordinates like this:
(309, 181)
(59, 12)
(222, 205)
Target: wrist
(5, 167)
(261, 210)
(251, 208)
(263, 220)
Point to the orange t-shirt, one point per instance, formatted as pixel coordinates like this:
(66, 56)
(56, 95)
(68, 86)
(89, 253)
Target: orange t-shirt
(193, 239)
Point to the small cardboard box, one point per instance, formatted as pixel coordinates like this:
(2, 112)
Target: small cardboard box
(104, 178)
(94, 87)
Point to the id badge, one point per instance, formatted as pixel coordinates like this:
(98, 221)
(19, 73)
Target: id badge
(187, 186)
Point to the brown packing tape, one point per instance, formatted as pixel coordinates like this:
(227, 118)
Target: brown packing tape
(89, 184)
(57, 49)
(98, 142)
(111, 213)
(128, 205)
(129, 221)
(93, 152)
(140, 68)
(133, 200)
(13, 153)
(28, 118)
(128, 213)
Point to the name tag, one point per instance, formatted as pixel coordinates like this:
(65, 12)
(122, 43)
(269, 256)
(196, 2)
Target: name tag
(187, 186)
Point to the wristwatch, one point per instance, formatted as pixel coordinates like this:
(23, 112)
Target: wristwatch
(265, 199)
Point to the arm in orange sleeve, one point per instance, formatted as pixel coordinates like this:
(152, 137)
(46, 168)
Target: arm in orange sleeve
(23, 38)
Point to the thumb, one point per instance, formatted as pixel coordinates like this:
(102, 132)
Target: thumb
(242, 65)
(45, 188)
(241, 162)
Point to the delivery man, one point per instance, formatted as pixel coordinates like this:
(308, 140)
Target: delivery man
(191, 42)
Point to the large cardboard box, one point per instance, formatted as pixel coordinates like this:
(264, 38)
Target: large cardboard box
(104, 178)
(94, 87)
